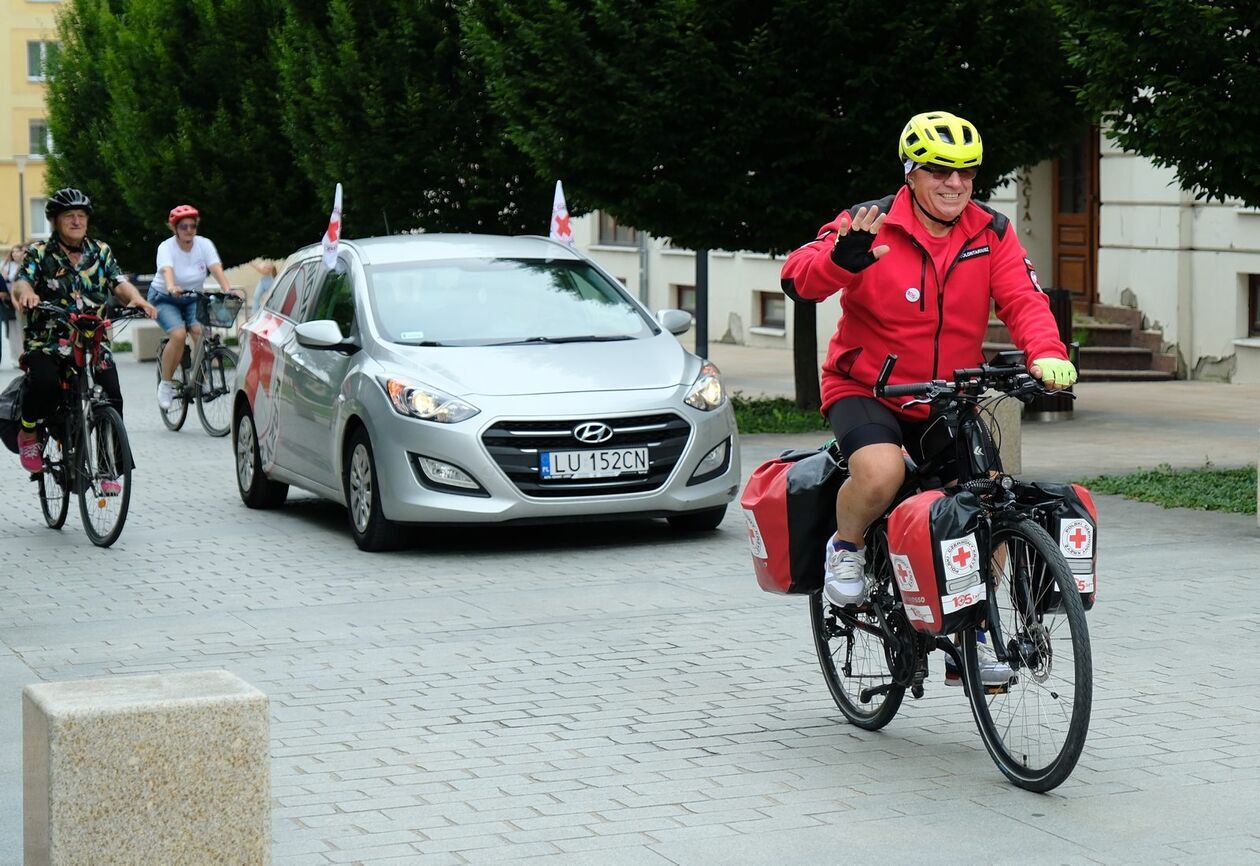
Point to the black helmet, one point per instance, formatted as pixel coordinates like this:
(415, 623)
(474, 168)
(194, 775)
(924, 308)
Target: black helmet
(67, 199)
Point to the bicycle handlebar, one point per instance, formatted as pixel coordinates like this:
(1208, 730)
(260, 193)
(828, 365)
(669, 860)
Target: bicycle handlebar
(1011, 378)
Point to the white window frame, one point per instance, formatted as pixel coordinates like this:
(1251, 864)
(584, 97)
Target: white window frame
(38, 75)
(47, 143)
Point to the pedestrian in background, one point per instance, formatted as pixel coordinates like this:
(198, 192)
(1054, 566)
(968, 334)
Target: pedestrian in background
(268, 270)
(11, 317)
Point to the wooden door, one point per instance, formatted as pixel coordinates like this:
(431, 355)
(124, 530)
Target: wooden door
(1076, 222)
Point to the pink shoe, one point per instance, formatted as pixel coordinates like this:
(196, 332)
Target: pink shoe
(110, 487)
(29, 451)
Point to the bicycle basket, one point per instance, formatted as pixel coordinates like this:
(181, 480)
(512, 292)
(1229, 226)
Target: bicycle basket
(221, 312)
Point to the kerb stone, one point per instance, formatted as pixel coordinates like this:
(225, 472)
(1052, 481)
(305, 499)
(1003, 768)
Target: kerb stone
(170, 768)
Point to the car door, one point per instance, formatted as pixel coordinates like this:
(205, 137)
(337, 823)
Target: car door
(264, 337)
(314, 378)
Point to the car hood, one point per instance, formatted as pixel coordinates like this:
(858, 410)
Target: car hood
(656, 362)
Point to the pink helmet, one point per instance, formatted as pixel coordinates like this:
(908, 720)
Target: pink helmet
(180, 211)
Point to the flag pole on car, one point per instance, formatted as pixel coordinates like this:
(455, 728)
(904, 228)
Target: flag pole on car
(333, 234)
(560, 228)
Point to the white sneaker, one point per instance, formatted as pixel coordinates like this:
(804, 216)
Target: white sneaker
(166, 393)
(844, 581)
(993, 673)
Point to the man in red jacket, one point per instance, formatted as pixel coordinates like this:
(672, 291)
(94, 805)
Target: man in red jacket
(919, 271)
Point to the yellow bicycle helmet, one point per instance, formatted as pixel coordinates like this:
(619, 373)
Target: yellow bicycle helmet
(939, 138)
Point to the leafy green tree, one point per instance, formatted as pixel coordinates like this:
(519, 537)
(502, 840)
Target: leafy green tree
(79, 108)
(379, 96)
(746, 124)
(181, 107)
(1177, 83)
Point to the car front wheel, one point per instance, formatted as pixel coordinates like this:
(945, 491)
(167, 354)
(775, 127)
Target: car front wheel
(705, 520)
(363, 496)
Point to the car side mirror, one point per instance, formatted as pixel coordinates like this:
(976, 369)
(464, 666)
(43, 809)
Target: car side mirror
(677, 322)
(321, 334)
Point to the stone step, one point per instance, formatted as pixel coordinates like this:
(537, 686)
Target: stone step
(1125, 376)
(1103, 334)
(1116, 314)
(1116, 358)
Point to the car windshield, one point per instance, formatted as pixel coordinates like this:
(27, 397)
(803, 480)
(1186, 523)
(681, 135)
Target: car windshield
(480, 302)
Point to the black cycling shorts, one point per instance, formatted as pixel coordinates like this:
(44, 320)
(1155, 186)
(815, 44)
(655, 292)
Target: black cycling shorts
(861, 421)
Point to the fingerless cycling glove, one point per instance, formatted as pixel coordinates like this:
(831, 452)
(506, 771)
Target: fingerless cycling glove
(853, 250)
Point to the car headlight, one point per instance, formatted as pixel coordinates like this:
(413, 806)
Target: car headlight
(706, 392)
(420, 401)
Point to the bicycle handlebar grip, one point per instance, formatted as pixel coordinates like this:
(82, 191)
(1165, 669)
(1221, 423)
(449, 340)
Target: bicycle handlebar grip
(904, 390)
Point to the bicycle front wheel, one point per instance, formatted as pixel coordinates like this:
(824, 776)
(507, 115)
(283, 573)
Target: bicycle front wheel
(174, 417)
(214, 393)
(105, 483)
(54, 484)
(1034, 727)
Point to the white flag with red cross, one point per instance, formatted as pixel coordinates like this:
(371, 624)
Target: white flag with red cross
(560, 229)
(333, 235)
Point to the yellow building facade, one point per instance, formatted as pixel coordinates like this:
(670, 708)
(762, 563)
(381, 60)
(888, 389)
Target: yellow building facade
(28, 36)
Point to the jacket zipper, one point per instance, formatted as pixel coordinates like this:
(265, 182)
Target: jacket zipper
(940, 291)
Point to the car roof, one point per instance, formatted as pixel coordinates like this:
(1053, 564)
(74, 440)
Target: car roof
(395, 249)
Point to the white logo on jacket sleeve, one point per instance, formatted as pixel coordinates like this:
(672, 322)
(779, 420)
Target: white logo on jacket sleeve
(755, 541)
(904, 573)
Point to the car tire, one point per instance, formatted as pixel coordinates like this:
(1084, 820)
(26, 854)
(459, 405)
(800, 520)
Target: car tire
(705, 520)
(257, 490)
(372, 531)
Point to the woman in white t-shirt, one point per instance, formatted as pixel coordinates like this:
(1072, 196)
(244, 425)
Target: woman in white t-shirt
(183, 262)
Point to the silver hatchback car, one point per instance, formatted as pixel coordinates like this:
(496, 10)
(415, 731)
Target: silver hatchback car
(439, 379)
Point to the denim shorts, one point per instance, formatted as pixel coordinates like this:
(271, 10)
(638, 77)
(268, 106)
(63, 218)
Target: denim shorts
(174, 312)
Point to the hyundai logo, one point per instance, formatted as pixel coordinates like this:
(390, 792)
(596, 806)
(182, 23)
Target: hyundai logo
(592, 432)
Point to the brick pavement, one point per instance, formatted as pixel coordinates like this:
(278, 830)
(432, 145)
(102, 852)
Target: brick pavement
(626, 695)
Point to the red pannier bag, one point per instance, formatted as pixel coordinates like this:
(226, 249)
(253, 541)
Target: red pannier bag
(1073, 524)
(790, 506)
(936, 554)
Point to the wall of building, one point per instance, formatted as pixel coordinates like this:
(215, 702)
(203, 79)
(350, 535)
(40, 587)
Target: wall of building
(21, 100)
(1183, 262)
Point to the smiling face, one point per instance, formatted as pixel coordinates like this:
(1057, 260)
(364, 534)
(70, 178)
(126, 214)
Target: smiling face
(72, 226)
(185, 231)
(942, 192)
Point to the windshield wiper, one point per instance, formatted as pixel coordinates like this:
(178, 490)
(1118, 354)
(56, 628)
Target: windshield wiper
(420, 343)
(585, 338)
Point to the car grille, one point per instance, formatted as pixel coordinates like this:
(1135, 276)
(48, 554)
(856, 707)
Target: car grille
(515, 446)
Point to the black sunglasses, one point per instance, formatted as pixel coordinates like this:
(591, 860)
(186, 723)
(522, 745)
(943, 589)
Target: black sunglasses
(944, 171)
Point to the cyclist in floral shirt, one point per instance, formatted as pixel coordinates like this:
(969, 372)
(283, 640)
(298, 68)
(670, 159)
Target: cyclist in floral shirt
(78, 273)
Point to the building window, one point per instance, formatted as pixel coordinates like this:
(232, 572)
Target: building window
(616, 235)
(685, 298)
(772, 309)
(1253, 306)
(38, 222)
(39, 55)
(40, 139)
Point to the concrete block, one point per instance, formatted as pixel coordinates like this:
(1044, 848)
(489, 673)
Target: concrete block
(169, 768)
(145, 337)
(1009, 416)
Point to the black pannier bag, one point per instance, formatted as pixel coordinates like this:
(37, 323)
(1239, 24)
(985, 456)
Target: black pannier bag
(790, 506)
(11, 412)
(936, 549)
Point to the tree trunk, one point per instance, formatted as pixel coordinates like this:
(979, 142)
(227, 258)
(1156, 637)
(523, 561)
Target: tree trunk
(702, 303)
(805, 354)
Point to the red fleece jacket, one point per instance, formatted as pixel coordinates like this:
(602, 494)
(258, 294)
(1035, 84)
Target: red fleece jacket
(934, 320)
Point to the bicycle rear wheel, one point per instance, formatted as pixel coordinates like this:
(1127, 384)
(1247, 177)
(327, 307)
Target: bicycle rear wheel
(54, 485)
(1035, 727)
(105, 486)
(174, 417)
(854, 656)
(214, 393)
